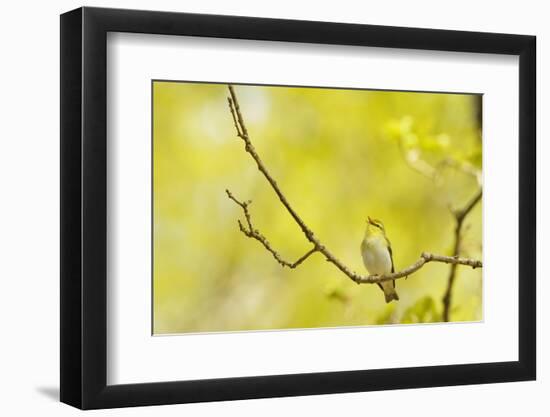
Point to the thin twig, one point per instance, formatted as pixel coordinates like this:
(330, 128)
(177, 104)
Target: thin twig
(253, 233)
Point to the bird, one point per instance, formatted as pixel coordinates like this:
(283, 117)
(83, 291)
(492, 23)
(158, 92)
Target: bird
(378, 257)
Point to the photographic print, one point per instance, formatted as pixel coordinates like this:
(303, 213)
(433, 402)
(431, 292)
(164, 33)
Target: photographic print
(289, 207)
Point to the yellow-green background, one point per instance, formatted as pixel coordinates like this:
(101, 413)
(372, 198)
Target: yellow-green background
(336, 156)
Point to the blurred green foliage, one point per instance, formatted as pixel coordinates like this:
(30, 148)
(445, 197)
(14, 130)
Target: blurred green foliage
(338, 155)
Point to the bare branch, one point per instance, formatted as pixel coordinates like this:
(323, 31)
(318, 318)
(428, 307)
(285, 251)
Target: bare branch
(424, 259)
(234, 106)
(253, 233)
(460, 215)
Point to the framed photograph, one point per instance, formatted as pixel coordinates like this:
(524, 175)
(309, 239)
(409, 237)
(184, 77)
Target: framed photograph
(257, 208)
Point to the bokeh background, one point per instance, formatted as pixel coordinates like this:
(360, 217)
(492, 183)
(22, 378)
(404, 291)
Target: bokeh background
(338, 155)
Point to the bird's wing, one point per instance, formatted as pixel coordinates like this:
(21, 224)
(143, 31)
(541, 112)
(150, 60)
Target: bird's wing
(391, 258)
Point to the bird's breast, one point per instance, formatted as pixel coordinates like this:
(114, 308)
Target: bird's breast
(376, 256)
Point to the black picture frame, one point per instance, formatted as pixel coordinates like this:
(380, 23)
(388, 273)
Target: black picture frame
(84, 207)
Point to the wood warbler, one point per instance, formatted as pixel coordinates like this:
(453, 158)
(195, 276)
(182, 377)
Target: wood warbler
(377, 256)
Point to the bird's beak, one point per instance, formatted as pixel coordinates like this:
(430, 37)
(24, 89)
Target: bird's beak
(369, 220)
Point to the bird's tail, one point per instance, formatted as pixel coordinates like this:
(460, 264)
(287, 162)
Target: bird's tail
(390, 294)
